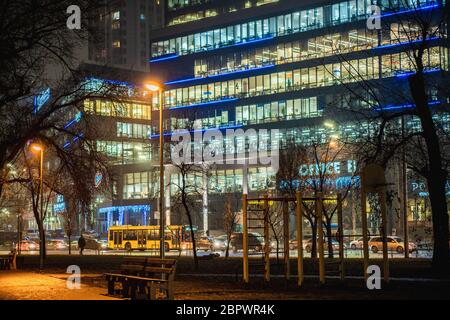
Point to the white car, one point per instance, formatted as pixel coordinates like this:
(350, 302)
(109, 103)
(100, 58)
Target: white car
(220, 242)
(356, 244)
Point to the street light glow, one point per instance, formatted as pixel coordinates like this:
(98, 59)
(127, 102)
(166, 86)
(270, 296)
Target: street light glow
(37, 147)
(328, 124)
(153, 86)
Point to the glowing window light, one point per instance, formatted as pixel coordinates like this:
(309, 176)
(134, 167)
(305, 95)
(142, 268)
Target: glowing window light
(219, 75)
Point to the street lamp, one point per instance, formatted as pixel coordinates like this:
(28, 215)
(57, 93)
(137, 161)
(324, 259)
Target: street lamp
(37, 148)
(157, 87)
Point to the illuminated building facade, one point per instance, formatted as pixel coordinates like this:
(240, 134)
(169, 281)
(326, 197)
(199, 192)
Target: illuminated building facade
(281, 64)
(116, 120)
(123, 29)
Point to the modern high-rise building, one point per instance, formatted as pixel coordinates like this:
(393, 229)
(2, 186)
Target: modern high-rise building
(123, 29)
(116, 120)
(284, 65)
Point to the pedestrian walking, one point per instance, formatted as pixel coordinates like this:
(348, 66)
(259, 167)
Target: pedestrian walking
(81, 244)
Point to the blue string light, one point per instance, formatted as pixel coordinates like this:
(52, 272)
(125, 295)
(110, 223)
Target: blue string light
(404, 106)
(407, 74)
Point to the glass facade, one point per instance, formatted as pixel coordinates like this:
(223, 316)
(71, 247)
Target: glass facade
(124, 152)
(128, 109)
(134, 130)
(199, 11)
(294, 51)
(299, 21)
(207, 119)
(141, 185)
(302, 78)
(291, 83)
(278, 111)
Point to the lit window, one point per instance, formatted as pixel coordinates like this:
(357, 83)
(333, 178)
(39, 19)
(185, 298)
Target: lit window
(116, 44)
(116, 15)
(116, 25)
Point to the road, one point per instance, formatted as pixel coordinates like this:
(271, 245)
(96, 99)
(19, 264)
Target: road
(348, 253)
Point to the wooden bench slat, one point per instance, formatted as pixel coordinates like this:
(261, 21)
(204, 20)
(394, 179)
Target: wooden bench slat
(161, 261)
(138, 272)
(135, 259)
(158, 270)
(133, 266)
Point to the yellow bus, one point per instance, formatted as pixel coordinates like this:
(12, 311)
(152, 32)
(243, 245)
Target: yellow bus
(145, 237)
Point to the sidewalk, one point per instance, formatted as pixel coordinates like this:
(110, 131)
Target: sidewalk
(19, 285)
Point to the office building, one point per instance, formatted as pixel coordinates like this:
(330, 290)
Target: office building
(284, 64)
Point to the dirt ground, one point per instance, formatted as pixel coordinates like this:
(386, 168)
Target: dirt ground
(220, 279)
(26, 285)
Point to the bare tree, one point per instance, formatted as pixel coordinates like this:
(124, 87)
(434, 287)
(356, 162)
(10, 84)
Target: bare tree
(425, 145)
(39, 79)
(69, 216)
(230, 221)
(187, 191)
(310, 168)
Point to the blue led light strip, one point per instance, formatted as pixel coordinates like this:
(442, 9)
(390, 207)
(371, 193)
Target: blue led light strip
(200, 130)
(246, 42)
(175, 55)
(404, 106)
(75, 139)
(203, 104)
(219, 75)
(108, 81)
(124, 208)
(407, 74)
(164, 58)
(429, 7)
(404, 43)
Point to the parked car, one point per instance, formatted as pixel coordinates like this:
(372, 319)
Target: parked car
(255, 241)
(356, 244)
(204, 243)
(91, 244)
(57, 244)
(90, 234)
(103, 244)
(29, 245)
(74, 244)
(293, 244)
(307, 245)
(394, 243)
(220, 242)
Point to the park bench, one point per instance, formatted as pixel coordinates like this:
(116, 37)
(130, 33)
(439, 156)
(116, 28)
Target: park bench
(143, 278)
(9, 262)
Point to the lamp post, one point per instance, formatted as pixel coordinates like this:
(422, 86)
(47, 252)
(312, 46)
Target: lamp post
(157, 87)
(37, 148)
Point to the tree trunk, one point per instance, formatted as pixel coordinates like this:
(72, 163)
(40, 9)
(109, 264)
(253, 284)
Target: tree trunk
(436, 175)
(41, 245)
(314, 241)
(70, 247)
(329, 238)
(227, 249)
(194, 248)
(440, 220)
(278, 249)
